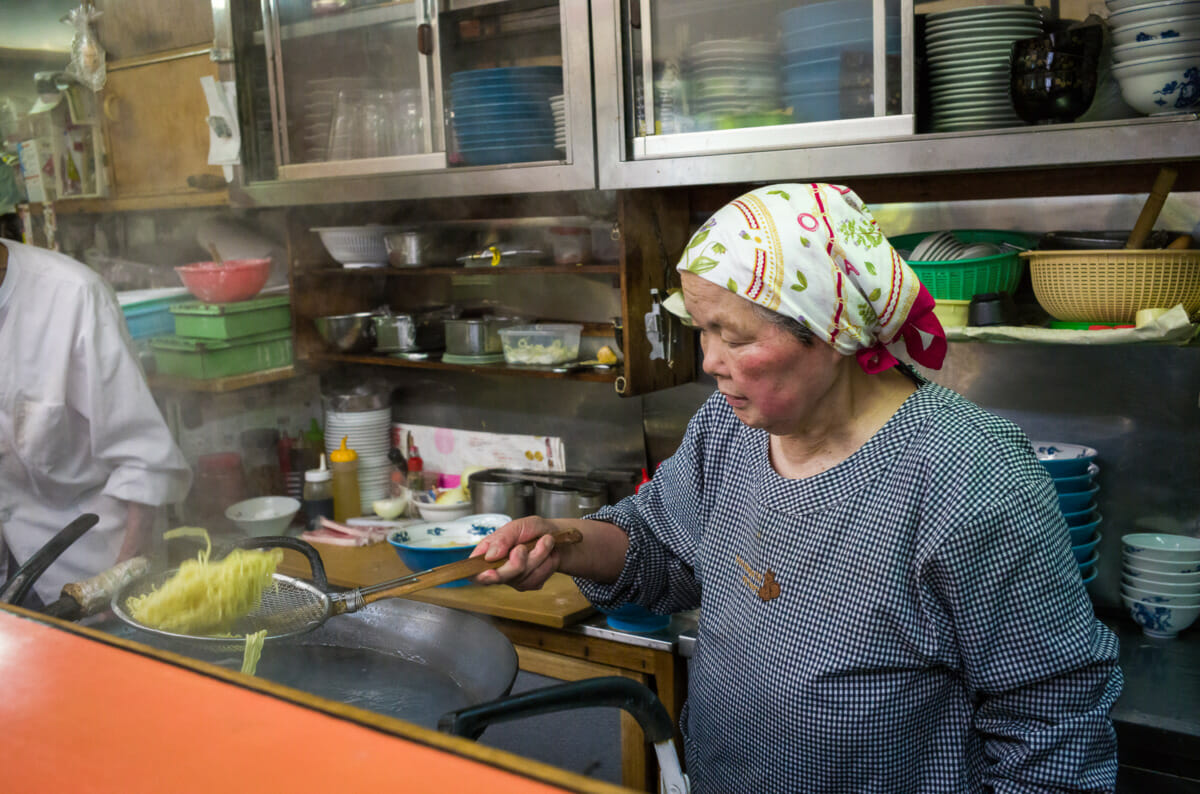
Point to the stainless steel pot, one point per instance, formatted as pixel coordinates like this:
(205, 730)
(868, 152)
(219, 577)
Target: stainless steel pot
(566, 500)
(495, 492)
(476, 336)
(409, 249)
(403, 333)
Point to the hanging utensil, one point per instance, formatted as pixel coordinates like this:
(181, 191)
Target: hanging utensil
(212, 249)
(292, 607)
(1154, 204)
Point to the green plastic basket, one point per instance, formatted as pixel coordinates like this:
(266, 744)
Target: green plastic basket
(962, 279)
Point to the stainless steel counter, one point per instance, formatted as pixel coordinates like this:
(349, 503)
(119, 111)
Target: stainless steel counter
(677, 637)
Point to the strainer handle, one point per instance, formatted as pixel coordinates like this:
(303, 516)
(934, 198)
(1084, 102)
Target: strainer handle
(295, 544)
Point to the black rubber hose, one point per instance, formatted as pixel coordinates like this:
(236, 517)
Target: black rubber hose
(295, 544)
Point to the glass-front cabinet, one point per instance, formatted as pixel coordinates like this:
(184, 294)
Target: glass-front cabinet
(428, 97)
(700, 78)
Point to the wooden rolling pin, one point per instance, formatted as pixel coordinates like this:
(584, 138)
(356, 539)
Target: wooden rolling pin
(1154, 204)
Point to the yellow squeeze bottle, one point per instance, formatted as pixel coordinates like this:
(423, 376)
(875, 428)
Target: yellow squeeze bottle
(346, 499)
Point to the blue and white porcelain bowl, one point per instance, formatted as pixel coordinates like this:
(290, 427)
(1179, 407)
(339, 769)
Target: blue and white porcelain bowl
(433, 543)
(1144, 565)
(1157, 86)
(1162, 621)
(1134, 569)
(1156, 597)
(1161, 588)
(1161, 547)
(1175, 27)
(1062, 459)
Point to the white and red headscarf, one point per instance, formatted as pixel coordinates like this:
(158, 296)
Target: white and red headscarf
(814, 253)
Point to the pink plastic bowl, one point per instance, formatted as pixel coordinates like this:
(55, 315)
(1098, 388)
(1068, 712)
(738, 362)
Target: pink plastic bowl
(232, 280)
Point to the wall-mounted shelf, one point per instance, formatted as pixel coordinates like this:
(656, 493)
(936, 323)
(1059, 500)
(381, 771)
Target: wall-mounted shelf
(596, 376)
(215, 385)
(572, 270)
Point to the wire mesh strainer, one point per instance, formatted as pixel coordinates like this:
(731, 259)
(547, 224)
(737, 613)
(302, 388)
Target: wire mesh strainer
(292, 607)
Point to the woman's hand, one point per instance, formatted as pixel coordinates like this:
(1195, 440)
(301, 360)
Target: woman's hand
(525, 569)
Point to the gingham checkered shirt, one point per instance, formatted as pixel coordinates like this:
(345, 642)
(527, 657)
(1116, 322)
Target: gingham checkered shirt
(930, 631)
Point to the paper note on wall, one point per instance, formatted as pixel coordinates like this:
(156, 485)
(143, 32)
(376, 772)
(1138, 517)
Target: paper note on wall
(224, 136)
(447, 451)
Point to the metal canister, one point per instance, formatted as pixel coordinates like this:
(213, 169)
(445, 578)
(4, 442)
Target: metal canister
(566, 500)
(496, 492)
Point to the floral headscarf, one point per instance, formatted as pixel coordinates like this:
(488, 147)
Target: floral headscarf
(814, 253)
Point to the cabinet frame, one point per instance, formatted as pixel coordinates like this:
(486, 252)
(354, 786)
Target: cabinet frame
(350, 184)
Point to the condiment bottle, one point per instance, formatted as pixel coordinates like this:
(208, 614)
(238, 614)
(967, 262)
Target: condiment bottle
(346, 499)
(318, 495)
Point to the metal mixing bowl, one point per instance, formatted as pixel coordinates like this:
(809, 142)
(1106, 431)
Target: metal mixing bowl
(348, 333)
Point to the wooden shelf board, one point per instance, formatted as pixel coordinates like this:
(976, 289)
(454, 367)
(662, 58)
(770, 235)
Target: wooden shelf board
(475, 369)
(231, 383)
(455, 270)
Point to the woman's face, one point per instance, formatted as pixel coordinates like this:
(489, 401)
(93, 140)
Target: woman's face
(771, 379)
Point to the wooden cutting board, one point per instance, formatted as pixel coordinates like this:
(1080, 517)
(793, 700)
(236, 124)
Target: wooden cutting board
(559, 603)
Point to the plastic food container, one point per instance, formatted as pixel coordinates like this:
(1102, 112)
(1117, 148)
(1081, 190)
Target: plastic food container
(232, 320)
(542, 344)
(231, 281)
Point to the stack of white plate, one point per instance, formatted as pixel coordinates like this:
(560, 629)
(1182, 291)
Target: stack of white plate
(560, 120)
(968, 51)
(729, 76)
(368, 433)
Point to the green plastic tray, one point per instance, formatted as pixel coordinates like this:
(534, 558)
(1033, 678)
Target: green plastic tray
(203, 358)
(232, 320)
(962, 279)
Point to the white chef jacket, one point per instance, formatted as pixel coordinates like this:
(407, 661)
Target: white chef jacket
(79, 430)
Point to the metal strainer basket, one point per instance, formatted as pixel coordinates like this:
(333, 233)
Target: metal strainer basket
(289, 608)
(1112, 286)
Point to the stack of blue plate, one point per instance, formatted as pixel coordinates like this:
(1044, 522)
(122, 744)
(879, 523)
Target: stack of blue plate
(1073, 469)
(827, 52)
(504, 115)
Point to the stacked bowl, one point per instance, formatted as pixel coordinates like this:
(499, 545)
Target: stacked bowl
(1160, 581)
(1156, 54)
(820, 82)
(1073, 469)
(730, 77)
(1055, 75)
(504, 115)
(968, 54)
(559, 111)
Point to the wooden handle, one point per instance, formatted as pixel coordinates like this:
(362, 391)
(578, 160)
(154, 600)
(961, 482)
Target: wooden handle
(1182, 241)
(1154, 204)
(454, 571)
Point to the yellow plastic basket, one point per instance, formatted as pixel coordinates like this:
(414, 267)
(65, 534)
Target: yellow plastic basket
(1111, 286)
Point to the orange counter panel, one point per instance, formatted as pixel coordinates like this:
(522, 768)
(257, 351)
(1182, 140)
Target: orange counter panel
(81, 715)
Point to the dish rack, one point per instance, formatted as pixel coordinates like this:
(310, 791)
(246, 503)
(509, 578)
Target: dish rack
(1111, 286)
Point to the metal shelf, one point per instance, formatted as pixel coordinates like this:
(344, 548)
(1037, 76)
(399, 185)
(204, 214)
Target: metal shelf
(605, 376)
(456, 270)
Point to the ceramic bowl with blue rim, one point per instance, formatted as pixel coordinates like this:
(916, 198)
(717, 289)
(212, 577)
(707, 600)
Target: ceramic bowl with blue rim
(1156, 578)
(1161, 547)
(1084, 551)
(1076, 483)
(433, 543)
(1083, 532)
(1163, 621)
(1074, 502)
(1062, 459)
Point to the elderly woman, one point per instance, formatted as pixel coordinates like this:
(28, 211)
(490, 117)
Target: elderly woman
(888, 600)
